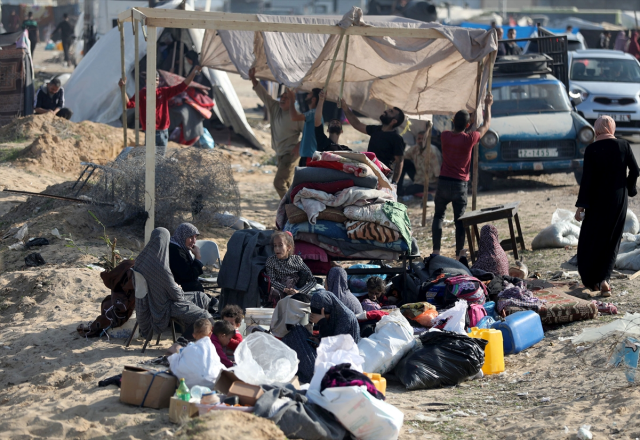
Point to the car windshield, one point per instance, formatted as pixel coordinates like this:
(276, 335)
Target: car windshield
(517, 99)
(605, 70)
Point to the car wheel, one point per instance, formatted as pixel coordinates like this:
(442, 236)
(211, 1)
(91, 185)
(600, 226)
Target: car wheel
(578, 175)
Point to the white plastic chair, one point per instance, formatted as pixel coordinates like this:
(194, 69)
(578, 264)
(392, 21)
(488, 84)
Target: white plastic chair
(209, 252)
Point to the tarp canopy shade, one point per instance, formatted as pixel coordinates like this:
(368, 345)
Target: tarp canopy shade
(421, 75)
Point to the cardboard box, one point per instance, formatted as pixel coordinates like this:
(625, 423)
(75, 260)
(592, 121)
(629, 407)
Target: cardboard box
(180, 410)
(138, 382)
(248, 394)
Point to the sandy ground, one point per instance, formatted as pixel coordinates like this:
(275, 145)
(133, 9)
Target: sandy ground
(49, 374)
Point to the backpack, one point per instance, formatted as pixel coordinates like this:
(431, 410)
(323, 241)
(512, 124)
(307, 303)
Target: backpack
(475, 312)
(465, 287)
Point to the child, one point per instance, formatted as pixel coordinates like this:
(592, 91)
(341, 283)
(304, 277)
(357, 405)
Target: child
(287, 272)
(376, 290)
(233, 314)
(223, 331)
(201, 329)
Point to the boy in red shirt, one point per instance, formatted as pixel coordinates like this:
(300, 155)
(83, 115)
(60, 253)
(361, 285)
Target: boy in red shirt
(221, 335)
(163, 95)
(457, 147)
(233, 314)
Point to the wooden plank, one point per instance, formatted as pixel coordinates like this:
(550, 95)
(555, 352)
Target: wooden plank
(150, 157)
(427, 163)
(123, 93)
(136, 33)
(634, 276)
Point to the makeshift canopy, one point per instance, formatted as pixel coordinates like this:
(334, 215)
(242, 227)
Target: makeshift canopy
(422, 68)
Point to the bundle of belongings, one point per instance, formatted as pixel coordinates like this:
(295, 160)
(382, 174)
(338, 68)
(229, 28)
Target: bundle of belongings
(342, 206)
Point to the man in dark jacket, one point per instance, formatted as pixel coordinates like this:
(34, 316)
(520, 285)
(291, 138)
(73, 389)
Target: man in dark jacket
(66, 35)
(50, 99)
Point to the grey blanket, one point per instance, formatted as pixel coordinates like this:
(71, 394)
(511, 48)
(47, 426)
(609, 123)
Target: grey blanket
(247, 253)
(299, 418)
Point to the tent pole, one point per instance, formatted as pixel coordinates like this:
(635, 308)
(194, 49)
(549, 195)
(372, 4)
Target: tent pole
(122, 89)
(476, 153)
(344, 68)
(333, 61)
(181, 60)
(150, 141)
(136, 32)
(173, 57)
(426, 143)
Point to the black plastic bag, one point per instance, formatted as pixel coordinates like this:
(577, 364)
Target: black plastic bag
(444, 359)
(40, 241)
(34, 260)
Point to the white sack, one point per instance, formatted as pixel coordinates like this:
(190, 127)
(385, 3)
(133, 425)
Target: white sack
(564, 215)
(335, 350)
(629, 260)
(631, 224)
(364, 416)
(198, 363)
(391, 341)
(557, 236)
(264, 360)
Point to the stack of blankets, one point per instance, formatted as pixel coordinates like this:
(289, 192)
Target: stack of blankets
(343, 206)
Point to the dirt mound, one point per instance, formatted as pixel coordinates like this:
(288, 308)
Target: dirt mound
(60, 145)
(231, 425)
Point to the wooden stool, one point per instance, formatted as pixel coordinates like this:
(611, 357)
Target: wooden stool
(474, 218)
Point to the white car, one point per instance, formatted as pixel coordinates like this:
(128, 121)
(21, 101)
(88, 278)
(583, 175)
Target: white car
(609, 83)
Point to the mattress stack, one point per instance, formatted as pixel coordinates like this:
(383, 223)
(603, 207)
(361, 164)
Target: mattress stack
(342, 206)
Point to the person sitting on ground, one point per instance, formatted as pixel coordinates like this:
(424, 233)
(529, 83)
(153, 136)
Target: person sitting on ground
(50, 99)
(376, 289)
(415, 167)
(457, 147)
(337, 284)
(287, 272)
(233, 314)
(201, 329)
(491, 257)
(308, 144)
(284, 134)
(332, 317)
(324, 143)
(385, 141)
(512, 47)
(222, 333)
(164, 299)
(186, 268)
(163, 96)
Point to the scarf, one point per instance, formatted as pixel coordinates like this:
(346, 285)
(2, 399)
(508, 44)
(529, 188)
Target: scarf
(184, 231)
(491, 257)
(342, 320)
(605, 128)
(153, 312)
(621, 41)
(337, 284)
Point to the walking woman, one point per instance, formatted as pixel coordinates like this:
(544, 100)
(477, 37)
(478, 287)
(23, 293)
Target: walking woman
(602, 204)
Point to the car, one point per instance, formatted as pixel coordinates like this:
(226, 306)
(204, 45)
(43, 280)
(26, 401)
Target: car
(534, 130)
(609, 84)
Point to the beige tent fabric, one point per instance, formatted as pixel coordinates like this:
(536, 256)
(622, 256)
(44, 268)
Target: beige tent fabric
(420, 76)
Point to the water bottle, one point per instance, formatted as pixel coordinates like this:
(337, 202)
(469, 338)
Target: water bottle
(182, 392)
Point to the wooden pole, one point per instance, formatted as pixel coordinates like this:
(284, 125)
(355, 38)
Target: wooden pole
(427, 164)
(122, 89)
(136, 33)
(476, 154)
(173, 57)
(181, 59)
(344, 69)
(333, 61)
(150, 158)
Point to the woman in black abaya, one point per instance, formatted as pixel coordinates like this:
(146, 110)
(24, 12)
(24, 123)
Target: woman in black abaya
(602, 204)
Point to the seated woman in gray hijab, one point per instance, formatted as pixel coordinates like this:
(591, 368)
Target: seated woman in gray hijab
(185, 268)
(338, 284)
(164, 299)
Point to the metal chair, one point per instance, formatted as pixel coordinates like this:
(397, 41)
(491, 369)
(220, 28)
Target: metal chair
(210, 256)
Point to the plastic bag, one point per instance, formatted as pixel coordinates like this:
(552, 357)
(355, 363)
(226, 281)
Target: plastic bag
(445, 359)
(197, 363)
(206, 140)
(366, 417)
(557, 236)
(629, 260)
(564, 215)
(335, 350)
(391, 341)
(631, 224)
(456, 317)
(427, 318)
(264, 360)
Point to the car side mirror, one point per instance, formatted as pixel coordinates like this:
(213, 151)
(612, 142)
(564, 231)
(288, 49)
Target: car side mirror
(576, 98)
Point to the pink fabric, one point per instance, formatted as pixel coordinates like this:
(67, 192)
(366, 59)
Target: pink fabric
(491, 257)
(357, 169)
(308, 251)
(220, 350)
(318, 267)
(382, 167)
(605, 128)
(328, 187)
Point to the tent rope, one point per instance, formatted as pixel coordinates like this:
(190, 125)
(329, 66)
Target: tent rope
(333, 61)
(344, 68)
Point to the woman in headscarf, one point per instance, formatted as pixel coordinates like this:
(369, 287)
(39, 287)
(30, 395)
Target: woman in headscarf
(337, 284)
(602, 204)
(185, 268)
(332, 317)
(621, 41)
(634, 46)
(164, 299)
(491, 257)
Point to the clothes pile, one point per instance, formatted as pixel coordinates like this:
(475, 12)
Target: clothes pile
(342, 205)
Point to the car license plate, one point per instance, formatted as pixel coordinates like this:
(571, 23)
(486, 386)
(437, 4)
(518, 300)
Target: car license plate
(617, 117)
(538, 152)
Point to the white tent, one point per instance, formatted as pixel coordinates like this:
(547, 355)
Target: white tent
(93, 94)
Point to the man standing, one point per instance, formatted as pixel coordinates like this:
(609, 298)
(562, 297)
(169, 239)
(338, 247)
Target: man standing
(325, 143)
(457, 147)
(50, 99)
(285, 134)
(66, 34)
(605, 40)
(308, 144)
(415, 167)
(502, 48)
(32, 28)
(385, 141)
(163, 95)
